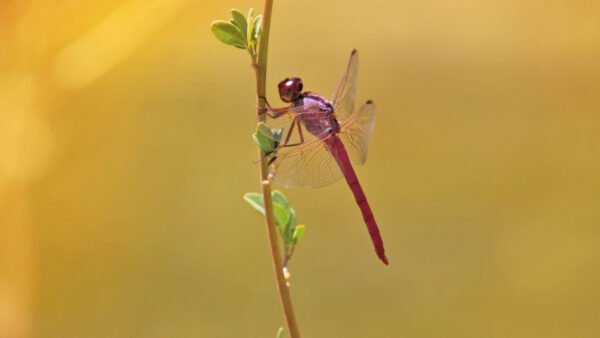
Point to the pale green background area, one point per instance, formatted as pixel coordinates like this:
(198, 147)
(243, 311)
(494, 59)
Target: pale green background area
(483, 174)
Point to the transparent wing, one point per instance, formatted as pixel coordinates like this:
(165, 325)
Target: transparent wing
(285, 121)
(309, 166)
(343, 95)
(356, 132)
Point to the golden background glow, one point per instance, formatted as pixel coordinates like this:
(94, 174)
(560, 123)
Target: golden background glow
(125, 150)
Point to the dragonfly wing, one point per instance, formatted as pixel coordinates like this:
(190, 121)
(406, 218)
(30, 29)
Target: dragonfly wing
(309, 165)
(356, 131)
(343, 95)
(285, 121)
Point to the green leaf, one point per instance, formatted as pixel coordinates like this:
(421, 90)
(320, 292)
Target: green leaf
(290, 229)
(298, 233)
(264, 138)
(287, 228)
(228, 33)
(255, 200)
(277, 134)
(261, 143)
(254, 26)
(282, 216)
(239, 20)
(292, 220)
(279, 198)
(279, 333)
(250, 40)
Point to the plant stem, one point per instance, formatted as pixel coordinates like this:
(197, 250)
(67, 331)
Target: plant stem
(260, 66)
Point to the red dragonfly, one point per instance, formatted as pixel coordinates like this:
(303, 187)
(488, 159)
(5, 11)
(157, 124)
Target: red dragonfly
(337, 138)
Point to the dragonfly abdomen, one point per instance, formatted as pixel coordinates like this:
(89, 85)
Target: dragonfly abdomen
(338, 151)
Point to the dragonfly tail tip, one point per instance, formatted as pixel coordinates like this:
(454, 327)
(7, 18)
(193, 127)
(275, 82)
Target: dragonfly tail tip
(382, 257)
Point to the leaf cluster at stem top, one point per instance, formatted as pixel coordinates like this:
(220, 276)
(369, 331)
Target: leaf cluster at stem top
(241, 31)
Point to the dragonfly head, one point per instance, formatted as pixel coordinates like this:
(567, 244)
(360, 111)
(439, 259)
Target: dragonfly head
(290, 89)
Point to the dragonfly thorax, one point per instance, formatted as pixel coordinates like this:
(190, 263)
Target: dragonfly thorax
(317, 115)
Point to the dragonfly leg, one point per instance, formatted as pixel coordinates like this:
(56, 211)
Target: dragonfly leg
(276, 112)
(286, 143)
(300, 132)
(287, 137)
(265, 99)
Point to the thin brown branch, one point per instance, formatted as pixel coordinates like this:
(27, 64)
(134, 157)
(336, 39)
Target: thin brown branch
(261, 75)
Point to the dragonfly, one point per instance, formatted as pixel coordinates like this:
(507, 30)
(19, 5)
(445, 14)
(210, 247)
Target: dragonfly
(324, 139)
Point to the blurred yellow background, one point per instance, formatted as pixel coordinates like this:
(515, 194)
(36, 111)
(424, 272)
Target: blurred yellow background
(125, 150)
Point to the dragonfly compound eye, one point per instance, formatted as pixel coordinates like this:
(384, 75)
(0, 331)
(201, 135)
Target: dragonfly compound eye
(290, 89)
